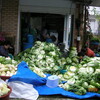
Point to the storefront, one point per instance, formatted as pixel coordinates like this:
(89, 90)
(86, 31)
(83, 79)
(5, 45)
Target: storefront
(56, 14)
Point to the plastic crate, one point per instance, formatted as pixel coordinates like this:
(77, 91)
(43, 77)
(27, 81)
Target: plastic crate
(5, 77)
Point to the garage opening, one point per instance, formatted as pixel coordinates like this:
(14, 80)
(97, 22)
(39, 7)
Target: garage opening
(35, 23)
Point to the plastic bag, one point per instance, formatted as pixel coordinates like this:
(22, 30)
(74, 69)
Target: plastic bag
(2, 81)
(23, 90)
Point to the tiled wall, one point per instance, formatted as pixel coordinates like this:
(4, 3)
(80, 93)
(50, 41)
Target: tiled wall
(10, 19)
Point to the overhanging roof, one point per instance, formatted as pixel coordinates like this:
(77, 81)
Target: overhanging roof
(95, 3)
(88, 2)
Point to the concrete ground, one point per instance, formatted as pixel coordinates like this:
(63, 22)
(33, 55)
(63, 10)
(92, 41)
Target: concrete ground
(57, 97)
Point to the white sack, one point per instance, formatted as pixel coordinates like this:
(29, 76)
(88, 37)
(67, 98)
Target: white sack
(23, 90)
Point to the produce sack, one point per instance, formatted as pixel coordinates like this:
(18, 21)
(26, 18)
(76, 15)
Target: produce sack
(23, 90)
(24, 74)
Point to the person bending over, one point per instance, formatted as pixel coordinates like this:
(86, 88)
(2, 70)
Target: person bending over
(4, 49)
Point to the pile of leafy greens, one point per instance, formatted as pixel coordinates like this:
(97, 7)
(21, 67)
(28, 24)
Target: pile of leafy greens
(83, 78)
(79, 77)
(42, 56)
(8, 67)
(46, 58)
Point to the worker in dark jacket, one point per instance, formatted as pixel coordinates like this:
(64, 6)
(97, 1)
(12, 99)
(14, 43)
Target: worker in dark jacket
(4, 49)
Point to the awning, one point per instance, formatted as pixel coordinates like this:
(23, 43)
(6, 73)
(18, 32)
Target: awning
(47, 6)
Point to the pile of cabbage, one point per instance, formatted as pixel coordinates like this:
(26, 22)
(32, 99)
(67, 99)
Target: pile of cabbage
(7, 70)
(71, 60)
(83, 78)
(8, 67)
(42, 56)
(4, 60)
(45, 57)
(3, 88)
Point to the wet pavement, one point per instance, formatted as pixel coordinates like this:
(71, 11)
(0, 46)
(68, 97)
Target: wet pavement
(57, 97)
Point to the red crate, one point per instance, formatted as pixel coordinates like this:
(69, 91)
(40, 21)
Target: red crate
(5, 77)
(6, 96)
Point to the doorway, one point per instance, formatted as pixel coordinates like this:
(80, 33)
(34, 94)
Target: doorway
(34, 23)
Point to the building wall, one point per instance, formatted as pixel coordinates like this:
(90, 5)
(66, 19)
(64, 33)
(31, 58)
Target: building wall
(0, 14)
(10, 19)
(78, 31)
(10, 14)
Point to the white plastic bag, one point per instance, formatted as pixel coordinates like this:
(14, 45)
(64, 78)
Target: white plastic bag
(23, 90)
(2, 81)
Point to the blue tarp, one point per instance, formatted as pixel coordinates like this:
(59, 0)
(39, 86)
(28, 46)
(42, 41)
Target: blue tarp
(24, 74)
(44, 90)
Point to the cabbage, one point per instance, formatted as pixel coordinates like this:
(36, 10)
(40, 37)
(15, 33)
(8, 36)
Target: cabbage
(4, 60)
(7, 70)
(42, 55)
(3, 89)
(72, 68)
